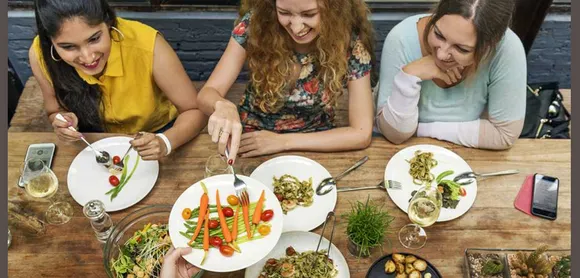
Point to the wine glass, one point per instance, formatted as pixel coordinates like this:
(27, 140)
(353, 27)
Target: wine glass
(40, 182)
(423, 211)
(216, 165)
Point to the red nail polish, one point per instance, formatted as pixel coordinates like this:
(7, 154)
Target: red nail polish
(231, 161)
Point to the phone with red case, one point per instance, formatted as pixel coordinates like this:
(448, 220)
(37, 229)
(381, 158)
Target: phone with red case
(523, 201)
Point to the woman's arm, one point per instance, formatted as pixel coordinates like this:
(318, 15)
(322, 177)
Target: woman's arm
(506, 104)
(224, 114)
(171, 78)
(357, 135)
(353, 137)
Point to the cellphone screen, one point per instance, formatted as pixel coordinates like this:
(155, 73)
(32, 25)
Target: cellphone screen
(545, 193)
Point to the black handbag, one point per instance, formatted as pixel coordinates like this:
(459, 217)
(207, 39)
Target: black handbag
(546, 116)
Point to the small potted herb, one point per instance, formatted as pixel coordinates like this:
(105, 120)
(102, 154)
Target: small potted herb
(366, 228)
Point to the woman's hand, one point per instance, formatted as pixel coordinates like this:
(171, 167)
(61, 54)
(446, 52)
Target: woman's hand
(175, 266)
(261, 143)
(61, 128)
(223, 124)
(149, 146)
(426, 69)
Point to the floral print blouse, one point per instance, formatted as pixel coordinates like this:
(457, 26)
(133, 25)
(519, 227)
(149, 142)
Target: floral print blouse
(306, 108)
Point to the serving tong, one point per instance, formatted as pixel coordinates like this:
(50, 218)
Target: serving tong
(328, 216)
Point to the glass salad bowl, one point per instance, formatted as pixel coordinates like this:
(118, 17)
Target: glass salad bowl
(137, 243)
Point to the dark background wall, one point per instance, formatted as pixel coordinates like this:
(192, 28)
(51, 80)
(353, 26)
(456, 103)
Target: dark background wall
(200, 38)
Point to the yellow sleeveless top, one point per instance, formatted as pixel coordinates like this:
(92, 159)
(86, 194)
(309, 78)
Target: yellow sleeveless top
(131, 101)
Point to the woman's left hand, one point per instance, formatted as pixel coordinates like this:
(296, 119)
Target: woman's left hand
(260, 143)
(149, 146)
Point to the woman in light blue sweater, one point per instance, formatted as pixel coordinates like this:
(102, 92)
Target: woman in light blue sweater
(458, 75)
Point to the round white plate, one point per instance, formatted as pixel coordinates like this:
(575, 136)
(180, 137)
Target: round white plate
(301, 241)
(252, 251)
(87, 180)
(300, 218)
(398, 169)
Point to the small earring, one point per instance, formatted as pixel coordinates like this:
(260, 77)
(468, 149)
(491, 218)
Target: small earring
(119, 32)
(52, 54)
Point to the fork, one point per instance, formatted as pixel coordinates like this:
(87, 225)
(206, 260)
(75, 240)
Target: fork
(391, 184)
(239, 185)
(119, 166)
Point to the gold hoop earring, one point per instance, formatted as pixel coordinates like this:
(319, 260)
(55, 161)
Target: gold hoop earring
(118, 32)
(52, 54)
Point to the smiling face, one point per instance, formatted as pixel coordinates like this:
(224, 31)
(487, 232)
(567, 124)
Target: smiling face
(300, 18)
(452, 42)
(83, 47)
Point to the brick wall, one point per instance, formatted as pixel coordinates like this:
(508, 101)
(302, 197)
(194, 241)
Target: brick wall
(199, 39)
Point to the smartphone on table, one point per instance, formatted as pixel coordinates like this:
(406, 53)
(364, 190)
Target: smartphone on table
(545, 196)
(43, 151)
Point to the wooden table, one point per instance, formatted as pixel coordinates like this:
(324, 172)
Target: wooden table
(71, 250)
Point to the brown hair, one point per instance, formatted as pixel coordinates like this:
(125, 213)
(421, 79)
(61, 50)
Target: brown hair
(491, 19)
(270, 49)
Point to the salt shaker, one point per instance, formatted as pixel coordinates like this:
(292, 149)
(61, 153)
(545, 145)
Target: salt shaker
(100, 220)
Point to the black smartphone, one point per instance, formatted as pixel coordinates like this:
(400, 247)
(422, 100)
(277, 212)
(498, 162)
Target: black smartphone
(545, 196)
(44, 151)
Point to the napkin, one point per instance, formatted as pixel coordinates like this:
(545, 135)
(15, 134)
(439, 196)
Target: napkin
(523, 201)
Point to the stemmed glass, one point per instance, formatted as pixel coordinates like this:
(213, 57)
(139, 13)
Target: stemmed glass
(423, 211)
(40, 182)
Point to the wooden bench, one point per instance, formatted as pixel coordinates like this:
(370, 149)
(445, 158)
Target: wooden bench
(31, 117)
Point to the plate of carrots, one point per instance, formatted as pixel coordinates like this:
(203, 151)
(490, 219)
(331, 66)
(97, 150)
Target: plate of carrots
(210, 218)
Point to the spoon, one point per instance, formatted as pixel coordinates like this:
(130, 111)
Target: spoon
(468, 177)
(327, 184)
(102, 157)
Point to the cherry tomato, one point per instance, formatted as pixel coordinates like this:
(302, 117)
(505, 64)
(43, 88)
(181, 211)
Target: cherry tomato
(186, 213)
(116, 159)
(228, 212)
(213, 224)
(264, 230)
(279, 197)
(267, 215)
(226, 250)
(216, 241)
(462, 191)
(113, 180)
(233, 200)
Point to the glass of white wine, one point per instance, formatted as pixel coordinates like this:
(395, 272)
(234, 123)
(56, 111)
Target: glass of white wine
(424, 209)
(41, 182)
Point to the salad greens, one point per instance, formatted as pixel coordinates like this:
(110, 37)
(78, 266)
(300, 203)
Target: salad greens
(142, 254)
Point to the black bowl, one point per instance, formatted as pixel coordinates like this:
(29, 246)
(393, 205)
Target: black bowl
(377, 270)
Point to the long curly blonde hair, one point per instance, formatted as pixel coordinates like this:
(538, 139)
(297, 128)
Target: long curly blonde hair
(270, 52)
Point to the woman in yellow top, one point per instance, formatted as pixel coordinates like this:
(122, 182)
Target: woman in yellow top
(107, 74)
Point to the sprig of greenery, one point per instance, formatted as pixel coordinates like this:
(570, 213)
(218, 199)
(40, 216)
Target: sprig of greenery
(367, 225)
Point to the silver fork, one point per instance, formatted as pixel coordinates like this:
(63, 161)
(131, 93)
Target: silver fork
(119, 166)
(239, 185)
(391, 184)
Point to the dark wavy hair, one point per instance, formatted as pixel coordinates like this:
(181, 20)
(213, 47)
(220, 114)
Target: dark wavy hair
(72, 92)
(491, 19)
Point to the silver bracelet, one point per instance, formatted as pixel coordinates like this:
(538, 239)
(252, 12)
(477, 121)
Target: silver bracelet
(167, 143)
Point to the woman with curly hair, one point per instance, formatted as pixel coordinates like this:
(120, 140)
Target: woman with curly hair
(458, 74)
(301, 55)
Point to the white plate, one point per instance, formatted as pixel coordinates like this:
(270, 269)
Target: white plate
(301, 241)
(88, 180)
(300, 218)
(398, 169)
(252, 251)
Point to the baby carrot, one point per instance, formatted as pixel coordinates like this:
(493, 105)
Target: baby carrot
(247, 220)
(205, 237)
(203, 202)
(235, 226)
(258, 211)
(223, 224)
